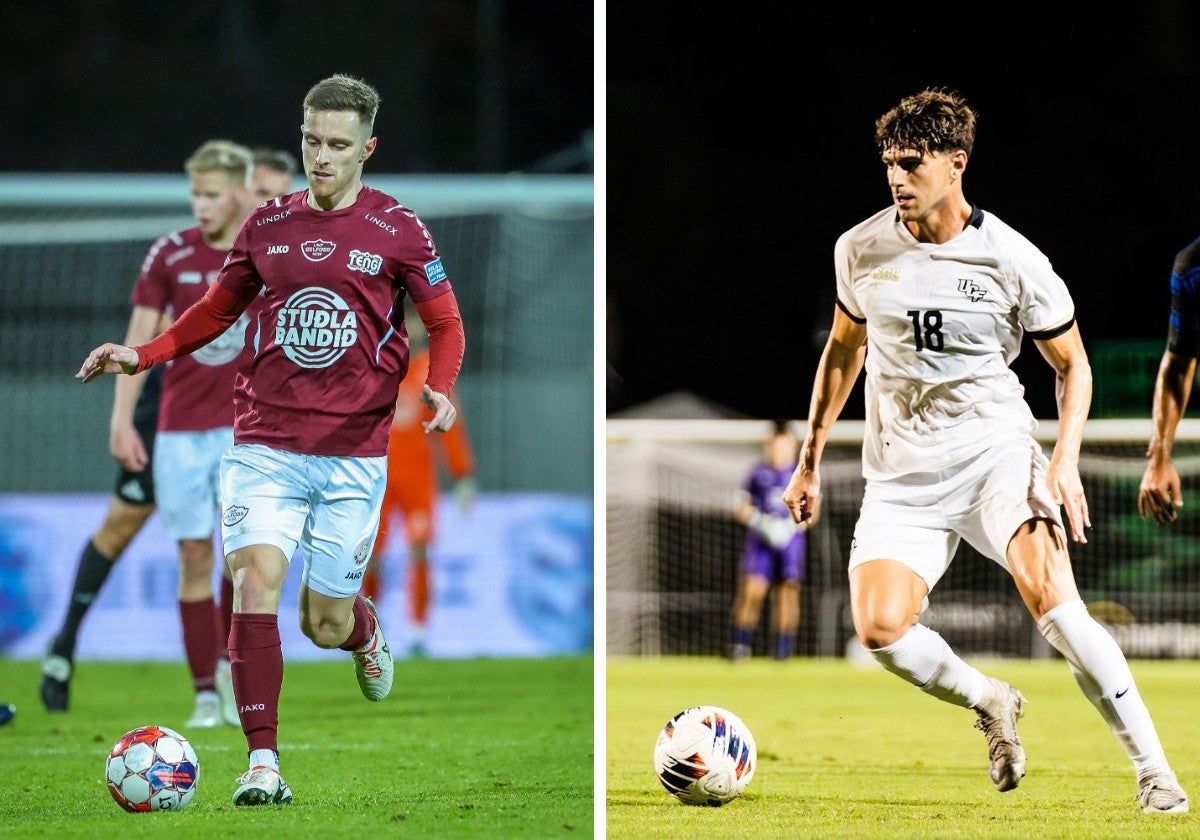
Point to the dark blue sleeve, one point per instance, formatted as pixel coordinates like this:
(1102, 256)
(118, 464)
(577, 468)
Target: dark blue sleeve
(1183, 336)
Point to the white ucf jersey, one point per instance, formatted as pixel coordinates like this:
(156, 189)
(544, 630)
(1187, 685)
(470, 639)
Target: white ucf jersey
(944, 322)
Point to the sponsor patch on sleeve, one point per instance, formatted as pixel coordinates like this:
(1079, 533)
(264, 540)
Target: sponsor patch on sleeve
(434, 272)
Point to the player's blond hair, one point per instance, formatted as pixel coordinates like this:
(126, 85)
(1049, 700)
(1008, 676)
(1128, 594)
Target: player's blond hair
(340, 92)
(234, 159)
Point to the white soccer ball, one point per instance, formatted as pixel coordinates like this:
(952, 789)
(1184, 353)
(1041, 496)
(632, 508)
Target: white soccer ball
(705, 755)
(152, 768)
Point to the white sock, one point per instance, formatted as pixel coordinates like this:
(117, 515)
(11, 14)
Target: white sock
(1103, 674)
(264, 758)
(923, 658)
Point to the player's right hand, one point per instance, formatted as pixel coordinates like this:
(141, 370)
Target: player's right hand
(108, 358)
(1161, 493)
(803, 494)
(127, 447)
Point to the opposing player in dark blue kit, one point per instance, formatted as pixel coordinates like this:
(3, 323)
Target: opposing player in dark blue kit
(774, 552)
(1161, 492)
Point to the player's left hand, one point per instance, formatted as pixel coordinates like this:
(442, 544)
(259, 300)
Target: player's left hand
(444, 412)
(1066, 489)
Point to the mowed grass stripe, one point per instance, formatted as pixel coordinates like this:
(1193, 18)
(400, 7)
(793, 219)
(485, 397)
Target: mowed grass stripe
(850, 751)
(462, 748)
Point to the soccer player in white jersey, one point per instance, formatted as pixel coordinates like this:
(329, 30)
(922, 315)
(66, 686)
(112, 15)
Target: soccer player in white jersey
(941, 294)
(334, 264)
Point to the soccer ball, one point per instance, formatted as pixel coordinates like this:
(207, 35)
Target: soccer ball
(152, 768)
(705, 755)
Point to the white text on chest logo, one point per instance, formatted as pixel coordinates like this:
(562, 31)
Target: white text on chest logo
(364, 262)
(277, 249)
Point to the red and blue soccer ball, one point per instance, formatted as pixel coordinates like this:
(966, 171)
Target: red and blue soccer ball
(152, 768)
(705, 755)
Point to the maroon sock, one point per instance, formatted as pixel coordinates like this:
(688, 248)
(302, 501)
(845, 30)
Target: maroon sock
(257, 660)
(364, 626)
(199, 620)
(226, 610)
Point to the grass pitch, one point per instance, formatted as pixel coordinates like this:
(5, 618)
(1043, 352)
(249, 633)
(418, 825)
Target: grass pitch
(483, 748)
(851, 751)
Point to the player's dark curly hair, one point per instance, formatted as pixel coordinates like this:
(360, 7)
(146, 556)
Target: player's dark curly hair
(934, 120)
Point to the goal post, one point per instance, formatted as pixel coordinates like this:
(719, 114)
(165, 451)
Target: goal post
(672, 546)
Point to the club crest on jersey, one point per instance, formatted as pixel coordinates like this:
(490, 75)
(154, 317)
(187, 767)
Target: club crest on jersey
(435, 272)
(317, 249)
(365, 262)
(886, 272)
(969, 288)
(233, 515)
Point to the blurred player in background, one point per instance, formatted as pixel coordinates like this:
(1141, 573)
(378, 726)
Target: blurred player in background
(274, 171)
(412, 485)
(334, 264)
(943, 294)
(1161, 491)
(775, 549)
(131, 443)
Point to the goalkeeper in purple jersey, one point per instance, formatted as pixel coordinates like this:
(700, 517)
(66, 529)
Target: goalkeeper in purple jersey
(774, 552)
(1160, 492)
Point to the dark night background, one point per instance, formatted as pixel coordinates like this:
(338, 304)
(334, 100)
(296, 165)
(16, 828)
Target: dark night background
(136, 85)
(740, 147)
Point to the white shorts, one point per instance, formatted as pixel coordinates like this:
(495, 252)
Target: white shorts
(187, 480)
(919, 519)
(327, 505)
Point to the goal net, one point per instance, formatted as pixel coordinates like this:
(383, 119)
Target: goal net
(519, 250)
(673, 547)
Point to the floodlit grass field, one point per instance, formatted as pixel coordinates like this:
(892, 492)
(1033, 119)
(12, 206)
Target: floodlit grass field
(462, 748)
(851, 751)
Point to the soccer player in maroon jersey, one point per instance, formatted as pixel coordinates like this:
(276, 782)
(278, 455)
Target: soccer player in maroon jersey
(273, 173)
(132, 445)
(196, 430)
(334, 264)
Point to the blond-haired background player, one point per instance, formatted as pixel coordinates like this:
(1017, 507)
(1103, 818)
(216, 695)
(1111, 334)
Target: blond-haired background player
(942, 294)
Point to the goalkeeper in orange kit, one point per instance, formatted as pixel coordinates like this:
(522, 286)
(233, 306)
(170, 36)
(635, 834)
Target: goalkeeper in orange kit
(412, 486)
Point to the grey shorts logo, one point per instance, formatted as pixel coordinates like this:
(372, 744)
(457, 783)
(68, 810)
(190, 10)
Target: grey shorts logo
(233, 515)
(362, 553)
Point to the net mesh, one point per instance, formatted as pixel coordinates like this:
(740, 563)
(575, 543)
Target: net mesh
(673, 548)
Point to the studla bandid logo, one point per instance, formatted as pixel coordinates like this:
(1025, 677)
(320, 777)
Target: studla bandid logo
(315, 327)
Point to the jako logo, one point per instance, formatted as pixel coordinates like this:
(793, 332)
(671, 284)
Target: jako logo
(253, 707)
(277, 249)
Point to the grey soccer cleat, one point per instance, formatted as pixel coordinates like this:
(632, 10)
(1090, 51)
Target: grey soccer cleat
(373, 663)
(1161, 794)
(998, 722)
(262, 786)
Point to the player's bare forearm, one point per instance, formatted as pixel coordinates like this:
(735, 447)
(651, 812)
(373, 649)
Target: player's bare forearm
(838, 370)
(1172, 390)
